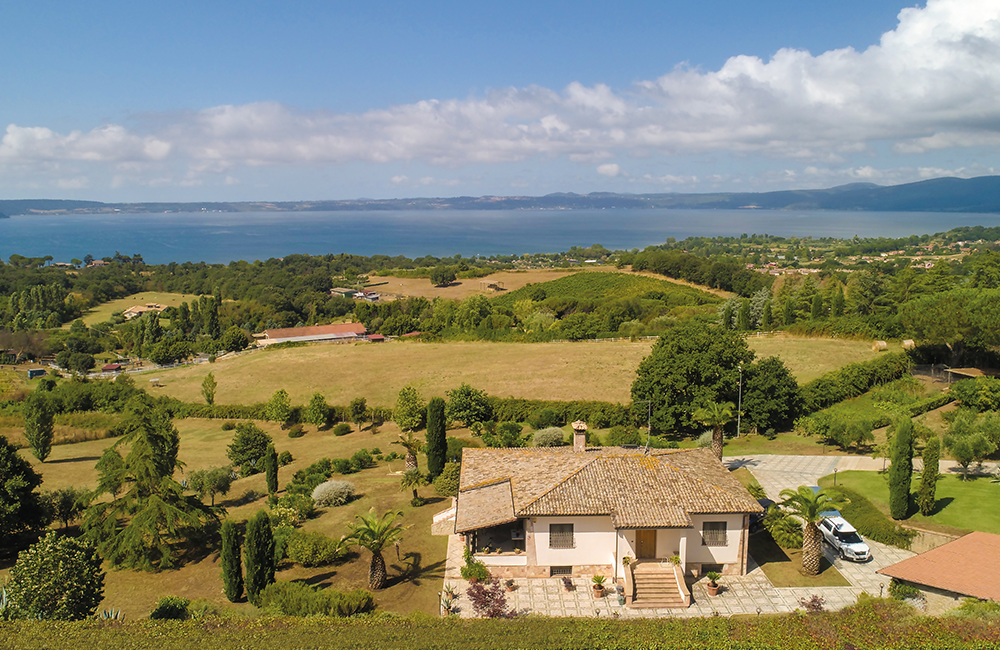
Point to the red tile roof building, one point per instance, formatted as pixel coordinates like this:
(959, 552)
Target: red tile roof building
(338, 332)
(969, 566)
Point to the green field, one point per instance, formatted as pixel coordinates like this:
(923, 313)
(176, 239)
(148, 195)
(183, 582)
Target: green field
(103, 312)
(548, 371)
(962, 505)
(596, 285)
(203, 445)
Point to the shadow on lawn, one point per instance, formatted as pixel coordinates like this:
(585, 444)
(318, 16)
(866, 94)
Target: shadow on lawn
(410, 570)
(81, 459)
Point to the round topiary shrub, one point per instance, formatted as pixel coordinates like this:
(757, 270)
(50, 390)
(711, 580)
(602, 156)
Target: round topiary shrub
(171, 608)
(228, 425)
(285, 458)
(550, 437)
(297, 431)
(342, 429)
(333, 493)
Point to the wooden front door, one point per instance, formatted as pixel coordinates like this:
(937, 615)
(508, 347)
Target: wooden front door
(645, 541)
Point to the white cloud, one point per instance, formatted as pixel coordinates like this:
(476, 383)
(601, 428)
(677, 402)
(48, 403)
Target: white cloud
(933, 83)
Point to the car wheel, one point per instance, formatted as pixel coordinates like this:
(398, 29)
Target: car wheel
(842, 556)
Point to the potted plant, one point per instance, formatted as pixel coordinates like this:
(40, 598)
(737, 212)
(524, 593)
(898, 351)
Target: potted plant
(450, 591)
(509, 584)
(598, 586)
(675, 560)
(713, 582)
(474, 570)
(567, 583)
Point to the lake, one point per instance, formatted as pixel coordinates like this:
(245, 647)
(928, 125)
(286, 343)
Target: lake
(224, 237)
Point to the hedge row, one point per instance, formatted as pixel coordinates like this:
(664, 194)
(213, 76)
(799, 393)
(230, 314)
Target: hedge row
(872, 523)
(597, 415)
(852, 380)
(819, 423)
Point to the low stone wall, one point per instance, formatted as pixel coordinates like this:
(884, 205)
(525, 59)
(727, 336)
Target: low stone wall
(926, 540)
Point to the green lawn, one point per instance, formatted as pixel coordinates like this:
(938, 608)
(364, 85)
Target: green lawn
(964, 505)
(103, 312)
(414, 578)
(783, 567)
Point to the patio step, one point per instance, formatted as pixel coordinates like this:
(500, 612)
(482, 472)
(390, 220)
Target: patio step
(656, 589)
(654, 603)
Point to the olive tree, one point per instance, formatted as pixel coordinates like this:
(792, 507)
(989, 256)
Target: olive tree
(58, 578)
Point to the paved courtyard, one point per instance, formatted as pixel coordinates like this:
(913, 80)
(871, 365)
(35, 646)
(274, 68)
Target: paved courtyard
(750, 594)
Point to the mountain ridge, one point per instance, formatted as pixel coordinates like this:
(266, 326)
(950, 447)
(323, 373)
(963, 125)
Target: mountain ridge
(946, 194)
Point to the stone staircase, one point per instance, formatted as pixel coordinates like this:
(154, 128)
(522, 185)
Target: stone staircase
(656, 587)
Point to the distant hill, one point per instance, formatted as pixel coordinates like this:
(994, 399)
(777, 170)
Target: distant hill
(937, 195)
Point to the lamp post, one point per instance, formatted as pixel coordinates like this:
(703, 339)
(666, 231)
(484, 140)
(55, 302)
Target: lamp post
(739, 407)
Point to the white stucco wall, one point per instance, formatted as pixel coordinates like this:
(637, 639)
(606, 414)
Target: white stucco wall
(715, 554)
(594, 539)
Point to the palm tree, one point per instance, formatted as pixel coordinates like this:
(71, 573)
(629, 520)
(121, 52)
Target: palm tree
(806, 505)
(375, 534)
(412, 479)
(412, 446)
(715, 415)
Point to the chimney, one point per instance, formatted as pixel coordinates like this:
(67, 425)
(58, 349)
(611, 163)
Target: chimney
(579, 436)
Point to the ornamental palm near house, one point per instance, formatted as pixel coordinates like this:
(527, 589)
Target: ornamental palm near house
(580, 511)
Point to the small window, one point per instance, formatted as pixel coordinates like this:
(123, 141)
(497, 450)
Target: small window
(713, 533)
(560, 571)
(561, 536)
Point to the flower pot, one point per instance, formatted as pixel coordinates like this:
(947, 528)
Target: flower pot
(713, 590)
(621, 599)
(598, 591)
(473, 580)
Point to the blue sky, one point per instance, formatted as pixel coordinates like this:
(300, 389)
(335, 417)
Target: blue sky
(127, 101)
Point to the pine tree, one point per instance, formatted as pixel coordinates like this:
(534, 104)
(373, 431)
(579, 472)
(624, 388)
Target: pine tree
(437, 443)
(271, 469)
(259, 556)
(927, 496)
(38, 424)
(232, 564)
(901, 470)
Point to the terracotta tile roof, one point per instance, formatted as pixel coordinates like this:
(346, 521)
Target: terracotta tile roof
(316, 330)
(966, 566)
(659, 489)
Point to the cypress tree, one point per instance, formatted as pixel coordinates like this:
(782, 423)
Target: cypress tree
(789, 315)
(837, 306)
(901, 470)
(743, 316)
(727, 316)
(271, 469)
(259, 556)
(232, 564)
(437, 444)
(817, 307)
(927, 495)
(766, 321)
(38, 420)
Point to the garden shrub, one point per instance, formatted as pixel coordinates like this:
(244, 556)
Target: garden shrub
(343, 466)
(549, 437)
(302, 504)
(171, 608)
(871, 523)
(300, 599)
(454, 451)
(296, 431)
(362, 459)
(544, 418)
(902, 591)
(446, 484)
(285, 458)
(622, 435)
(313, 549)
(705, 439)
(333, 493)
(281, 535)
(228, 425)
(342, 429)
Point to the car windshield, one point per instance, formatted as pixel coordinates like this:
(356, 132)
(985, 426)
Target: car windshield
(849, 538)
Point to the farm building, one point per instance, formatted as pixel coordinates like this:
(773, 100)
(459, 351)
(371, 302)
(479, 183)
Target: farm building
(336, 333)
(138, 310)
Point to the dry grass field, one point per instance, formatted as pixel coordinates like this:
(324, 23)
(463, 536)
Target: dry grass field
(555, 371)
(203, 445)
(103, 312)
(461, 289)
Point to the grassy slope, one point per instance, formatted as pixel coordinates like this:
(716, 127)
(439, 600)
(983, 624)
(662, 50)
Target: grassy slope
(965, 505)
(558, 371)
(103, 312)
(203, 444)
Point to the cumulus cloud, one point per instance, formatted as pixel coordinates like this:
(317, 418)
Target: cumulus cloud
(932, 83)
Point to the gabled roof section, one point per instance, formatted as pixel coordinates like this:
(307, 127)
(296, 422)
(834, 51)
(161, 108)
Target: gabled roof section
(485, 505)
(965, 566)
(658, 489)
